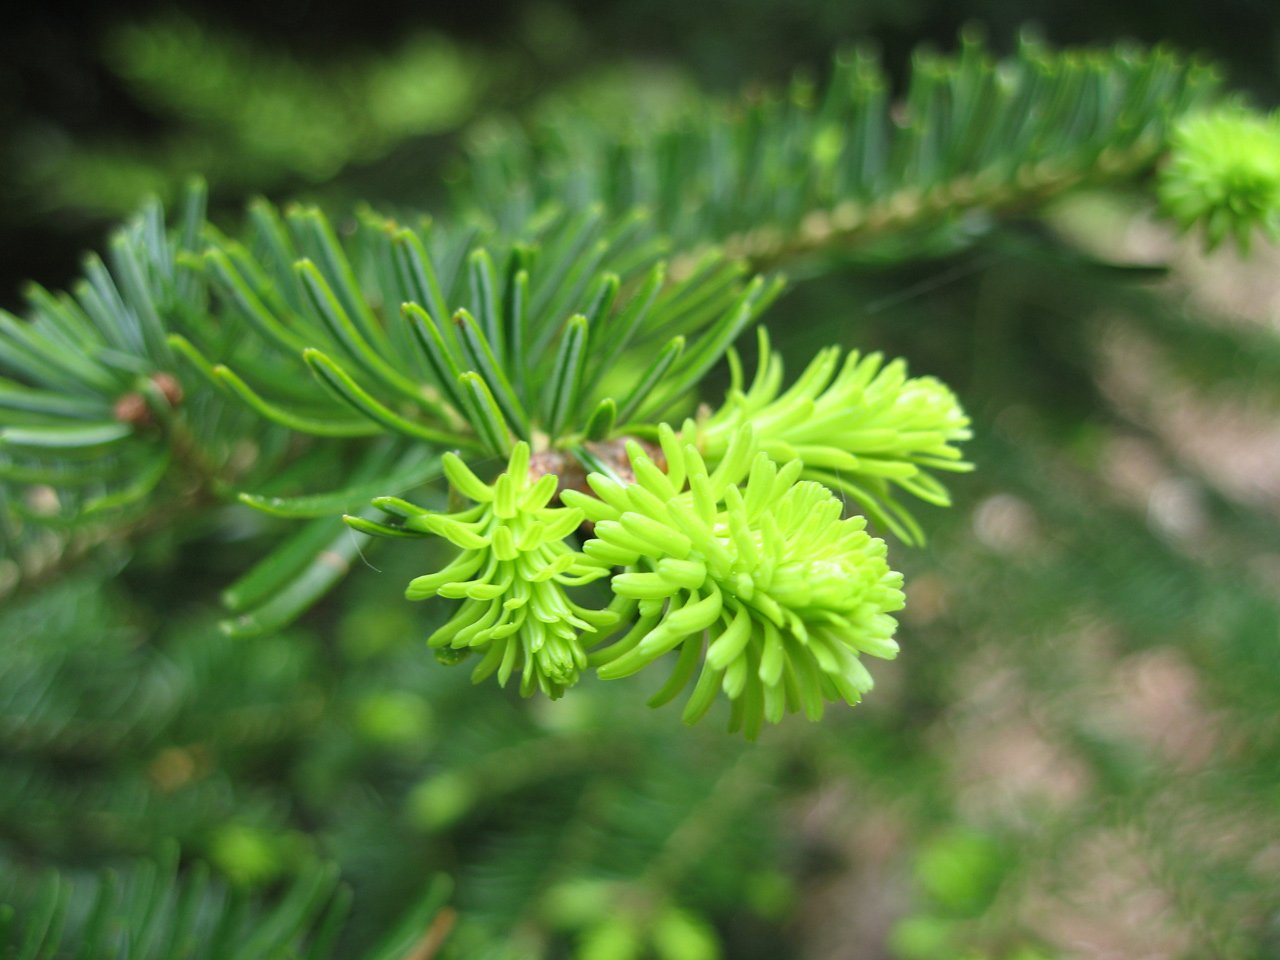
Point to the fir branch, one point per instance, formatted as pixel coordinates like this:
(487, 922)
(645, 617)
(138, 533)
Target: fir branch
(157, 912)
(526, 316)
(783, 175)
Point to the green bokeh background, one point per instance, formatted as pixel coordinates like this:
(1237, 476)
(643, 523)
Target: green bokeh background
(1078, 753)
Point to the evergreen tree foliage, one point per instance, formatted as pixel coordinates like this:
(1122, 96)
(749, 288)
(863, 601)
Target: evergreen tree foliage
(510, 390)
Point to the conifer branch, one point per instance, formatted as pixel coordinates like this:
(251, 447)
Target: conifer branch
(852, 168)
(588, 280)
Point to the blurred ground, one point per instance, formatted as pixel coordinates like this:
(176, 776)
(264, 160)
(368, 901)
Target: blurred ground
(1107, 872)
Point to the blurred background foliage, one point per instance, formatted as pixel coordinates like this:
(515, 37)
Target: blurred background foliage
(1078, 753)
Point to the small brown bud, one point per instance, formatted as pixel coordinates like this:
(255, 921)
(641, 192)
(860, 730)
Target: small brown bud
(612, 453)
(132, 408)
(169, 386)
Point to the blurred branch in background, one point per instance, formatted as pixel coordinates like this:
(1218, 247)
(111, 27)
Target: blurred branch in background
(249, 116)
